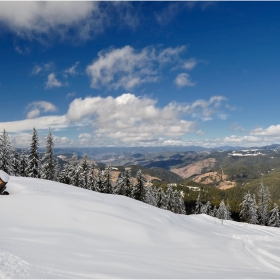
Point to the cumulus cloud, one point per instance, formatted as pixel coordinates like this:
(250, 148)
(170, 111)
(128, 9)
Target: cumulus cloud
(127, 68)
(58, 19)
(273, 130)
(38, 106)
(52, 81)
(132, 118)
(183, 80)
(123, 120)
(34, 18)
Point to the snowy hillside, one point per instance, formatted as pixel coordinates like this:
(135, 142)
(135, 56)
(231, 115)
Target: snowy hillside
(52, 230)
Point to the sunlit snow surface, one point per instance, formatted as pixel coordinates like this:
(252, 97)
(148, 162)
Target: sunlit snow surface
(52, 230)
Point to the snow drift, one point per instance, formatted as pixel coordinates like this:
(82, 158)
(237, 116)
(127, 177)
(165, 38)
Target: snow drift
(52, 230)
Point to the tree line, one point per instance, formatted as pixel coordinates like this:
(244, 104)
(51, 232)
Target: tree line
(83, 175)
(252, 210)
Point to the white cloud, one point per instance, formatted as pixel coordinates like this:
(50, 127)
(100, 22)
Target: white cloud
(37, 69)
(70, 94)
(72, 70)
(84, 136)
(190, 64)
(183, 80)
(124, 120)
(273, 130)
(76, 20)
(30, 19)
(34, 113)
(38, 106)
(52, 81)
(54, 122)
(127, 68)
(135, 119)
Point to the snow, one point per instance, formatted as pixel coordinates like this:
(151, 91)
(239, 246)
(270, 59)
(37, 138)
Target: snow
(52, 230)
(4, 176)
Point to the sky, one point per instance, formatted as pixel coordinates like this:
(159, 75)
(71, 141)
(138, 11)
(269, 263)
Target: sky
(141, 73)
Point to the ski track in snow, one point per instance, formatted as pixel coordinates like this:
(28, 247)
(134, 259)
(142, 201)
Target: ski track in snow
(12, 266)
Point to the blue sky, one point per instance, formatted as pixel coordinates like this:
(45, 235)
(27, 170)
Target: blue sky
(141, 73)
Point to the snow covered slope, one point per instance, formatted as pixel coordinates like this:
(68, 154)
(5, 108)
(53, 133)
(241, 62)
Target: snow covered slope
(52, 230)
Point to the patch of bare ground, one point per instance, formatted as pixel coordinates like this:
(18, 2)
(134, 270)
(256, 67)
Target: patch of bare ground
(219, 179)
(194, 168)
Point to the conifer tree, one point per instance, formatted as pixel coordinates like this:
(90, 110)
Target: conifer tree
(48, 165)
(6, 154)
(206, 208)
(34, 163)
(222, 212)
(161, 200)
(150, 197)
(176, 197)
(124, 185)
(253, 211)
(15, 162)
(198, 205)
(139, 191)
(64, 175)
(99, 183)
(108, 185)
(274, 220)
(23, 164)
(182, 207)
(244, 214)
(170, 198)
(263, 204)
(91, 178)
(56, 170)
(85, 171)
(75, 171)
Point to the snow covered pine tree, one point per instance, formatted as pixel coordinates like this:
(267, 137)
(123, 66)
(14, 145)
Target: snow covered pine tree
(48, 160)
(6, 154)
(34, 163)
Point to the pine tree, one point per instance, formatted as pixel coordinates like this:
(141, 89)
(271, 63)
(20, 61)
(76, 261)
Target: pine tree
(56, 170)
(222, 212)
(48, 165)
(108, 185)
(150, 197)
(75, 171)
(170, 198)
(91, 178)
(139, 191)
(84, 174)
(244, 214)
(23, 164)
(206, 208)
(253, 211)
(99, 183)
(6, 154)
(198, 205)
(161, 200)
(182, 207)
(274, 220)
(263, 204)
(124, 185)
(34, 163)
(64, 175)
(15, 162)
